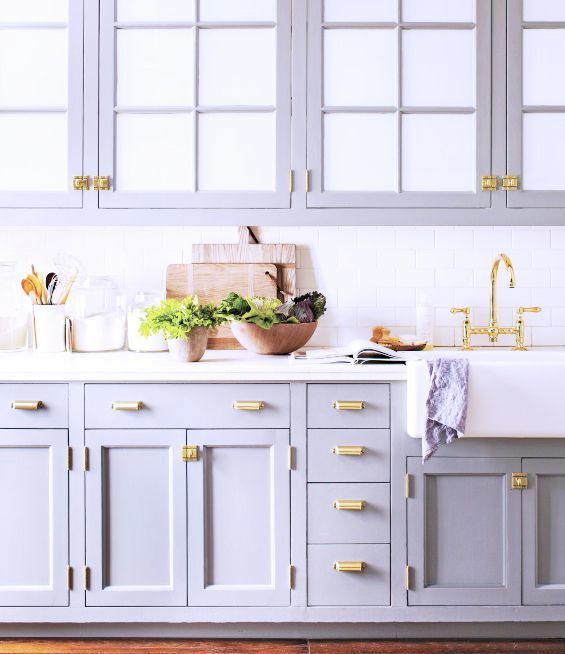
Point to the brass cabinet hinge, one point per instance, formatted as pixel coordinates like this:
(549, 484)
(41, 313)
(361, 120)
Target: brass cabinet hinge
(290, 181)
(86, 578)
(189, 453)
(86, 459)
(519, 480)
(291, 576)
(81, 182)
(101, 183)
(407, 577)
(290, 457)
(510, 183)
(69, 458)
(489, 183)
(307, 181)
(407, 486)
(69, 577)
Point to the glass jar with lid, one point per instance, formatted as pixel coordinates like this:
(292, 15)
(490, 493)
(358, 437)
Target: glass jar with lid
(136, 313)
(97, 309)
(14, 314)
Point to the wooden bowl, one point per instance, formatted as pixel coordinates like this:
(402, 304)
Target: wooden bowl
(280, 339)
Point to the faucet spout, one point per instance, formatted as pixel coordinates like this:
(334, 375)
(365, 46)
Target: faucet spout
(493, 322)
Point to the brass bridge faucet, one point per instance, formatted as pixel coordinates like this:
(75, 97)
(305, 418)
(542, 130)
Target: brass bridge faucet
(493, 331)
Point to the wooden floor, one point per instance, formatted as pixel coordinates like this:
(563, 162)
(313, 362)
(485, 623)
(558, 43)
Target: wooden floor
(153, 646)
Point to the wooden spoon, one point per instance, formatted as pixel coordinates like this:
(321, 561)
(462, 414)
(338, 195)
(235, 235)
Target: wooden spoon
(29, 289)
(38, 288)
(68, 289)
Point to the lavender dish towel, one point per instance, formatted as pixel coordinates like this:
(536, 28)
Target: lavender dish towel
(446, 404)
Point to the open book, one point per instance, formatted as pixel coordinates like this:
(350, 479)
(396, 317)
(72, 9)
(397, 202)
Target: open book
(358, 351)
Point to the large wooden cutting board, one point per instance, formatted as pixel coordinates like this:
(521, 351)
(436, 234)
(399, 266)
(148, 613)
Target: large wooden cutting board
(213, 281)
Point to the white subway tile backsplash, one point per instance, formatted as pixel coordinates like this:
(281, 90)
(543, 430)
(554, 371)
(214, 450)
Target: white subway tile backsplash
(370, 275)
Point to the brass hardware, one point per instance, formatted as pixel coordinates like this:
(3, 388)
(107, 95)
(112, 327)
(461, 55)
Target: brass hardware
(520, 327)
(27, 405)
(290, 457)
(519, 480)
(86, 459)
(81, 182)
(101, 183)
(407, 577)
(348, 450)
(407, 486)
(466, 311)
(489, 183)
(189, 453)
(349, 405)
(248, 405)
(291, 577)
(290, 181)
(307, 181)
(69, 458)
(510, 183)
(127, 406)
(349, 566)
(86, 578)
(69, 578)
(349, 505)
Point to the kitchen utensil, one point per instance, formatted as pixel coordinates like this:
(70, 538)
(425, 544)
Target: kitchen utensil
(29, 289)
(51, 280)
(68, 288)
(33, 283)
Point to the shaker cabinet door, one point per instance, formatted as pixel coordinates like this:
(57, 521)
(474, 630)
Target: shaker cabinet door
(195, 103)
(239, 518)
(464, 532)
(543, 532)
(34, 547)
(41, 103)
(399, 103)
(136, 518)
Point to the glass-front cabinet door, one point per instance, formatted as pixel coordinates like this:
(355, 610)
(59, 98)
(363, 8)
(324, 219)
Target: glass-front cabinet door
(41, 99)
(195, 103)
(398, 103)
(536, 102)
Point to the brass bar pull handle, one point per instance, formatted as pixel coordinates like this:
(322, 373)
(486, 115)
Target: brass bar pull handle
(127, 406)
(248, 405)
(349, 566)
(348, 450)
(349, 505)
(27, 405)
(349, 405)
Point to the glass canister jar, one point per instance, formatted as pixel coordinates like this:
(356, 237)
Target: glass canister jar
(14, 315)
(136, 313)
(97, 309)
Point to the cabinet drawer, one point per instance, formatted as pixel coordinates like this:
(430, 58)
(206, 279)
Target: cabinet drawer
(34, 405)
(325, 463)
(332, 519)
(335, 405)
(329, 587)
(193, 406)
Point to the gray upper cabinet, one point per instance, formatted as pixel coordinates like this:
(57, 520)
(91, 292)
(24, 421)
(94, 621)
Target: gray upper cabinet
(195, 104)
(464, 532)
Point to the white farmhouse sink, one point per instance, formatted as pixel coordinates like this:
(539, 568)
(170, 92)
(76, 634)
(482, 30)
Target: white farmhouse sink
(511, 394)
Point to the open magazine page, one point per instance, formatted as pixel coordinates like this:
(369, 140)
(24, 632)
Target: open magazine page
(358, 352)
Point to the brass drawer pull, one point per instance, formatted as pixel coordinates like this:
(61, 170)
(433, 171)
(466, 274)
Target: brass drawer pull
(519, 480)
(248, 405)
(349, 566)
(349, 505)
(189, 453)
(348, 450)
(27, 405)
(127, 406)
(349, 405)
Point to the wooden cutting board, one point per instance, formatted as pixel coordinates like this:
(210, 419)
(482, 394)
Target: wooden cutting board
(213, 281)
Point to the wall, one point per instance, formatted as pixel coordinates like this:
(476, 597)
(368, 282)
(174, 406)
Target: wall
(370, 275)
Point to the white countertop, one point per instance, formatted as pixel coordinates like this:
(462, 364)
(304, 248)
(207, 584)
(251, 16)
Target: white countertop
(217, 365)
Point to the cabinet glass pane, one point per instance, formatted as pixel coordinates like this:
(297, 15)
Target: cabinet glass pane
(33, 67)
(12, 11)
(438, 11)
(438, 152)
(156, 10)
(33, 154)
(236, 152)
(154, 152)
(360, 10)
(360, 67)
(544, 10)
(360, 152)
(543, 166)
(438, 68)
(242, 10)
(237, 67)
(543, 59)
(155, 67)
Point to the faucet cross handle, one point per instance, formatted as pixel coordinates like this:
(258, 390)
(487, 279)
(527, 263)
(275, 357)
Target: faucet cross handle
(520, 331)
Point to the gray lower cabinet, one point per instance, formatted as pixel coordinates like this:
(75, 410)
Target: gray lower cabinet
(464, 532)
(543, 532)
(34, 549)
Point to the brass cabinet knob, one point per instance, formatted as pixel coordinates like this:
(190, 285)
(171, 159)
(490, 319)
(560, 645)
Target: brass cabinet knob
(349, 505)
(349, 405)
(348, 450)
(248, 405)
(349, 566)
(127, 406)
(27, 405)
